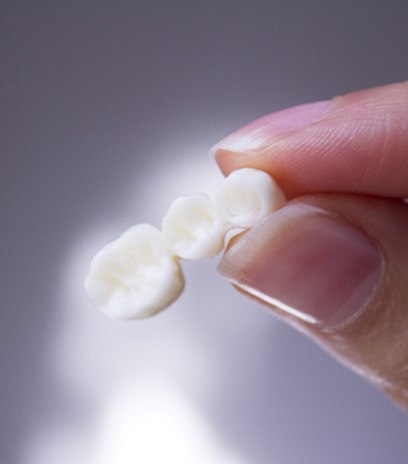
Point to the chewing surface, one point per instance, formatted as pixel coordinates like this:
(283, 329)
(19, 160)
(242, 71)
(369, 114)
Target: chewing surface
(134, 276)
(195, 227)
(249, 195)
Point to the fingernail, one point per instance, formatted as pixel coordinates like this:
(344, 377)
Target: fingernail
(252, 136)
(307, 262)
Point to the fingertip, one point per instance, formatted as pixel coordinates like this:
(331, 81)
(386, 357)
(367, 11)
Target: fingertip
(356, 143)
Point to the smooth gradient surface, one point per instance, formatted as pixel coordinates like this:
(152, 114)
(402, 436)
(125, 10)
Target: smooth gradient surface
(108, 110)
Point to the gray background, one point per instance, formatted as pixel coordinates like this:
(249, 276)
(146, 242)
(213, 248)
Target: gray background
(107, 112)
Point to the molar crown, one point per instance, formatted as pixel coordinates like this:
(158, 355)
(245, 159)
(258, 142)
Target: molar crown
(134, 276)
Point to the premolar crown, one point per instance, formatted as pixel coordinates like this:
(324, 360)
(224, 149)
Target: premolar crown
(195, 226)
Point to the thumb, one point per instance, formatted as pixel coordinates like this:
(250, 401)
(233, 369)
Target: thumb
(334, 266)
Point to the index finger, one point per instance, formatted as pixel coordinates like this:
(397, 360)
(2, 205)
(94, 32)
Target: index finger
(357, 143)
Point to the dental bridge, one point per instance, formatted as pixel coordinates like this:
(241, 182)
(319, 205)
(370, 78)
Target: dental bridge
(139, 274)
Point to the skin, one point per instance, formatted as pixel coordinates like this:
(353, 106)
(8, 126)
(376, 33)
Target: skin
(349, 157)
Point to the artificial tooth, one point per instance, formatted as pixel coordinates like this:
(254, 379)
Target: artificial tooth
(135, 276)
(195, 226)
(249, 195)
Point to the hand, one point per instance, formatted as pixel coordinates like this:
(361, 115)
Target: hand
(334, 261)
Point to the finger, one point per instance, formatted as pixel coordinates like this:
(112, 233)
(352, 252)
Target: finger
(357, 143)
(334, 266)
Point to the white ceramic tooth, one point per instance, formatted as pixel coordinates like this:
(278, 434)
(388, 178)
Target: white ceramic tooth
(248, 196)
(134, 276)
(195, 226)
